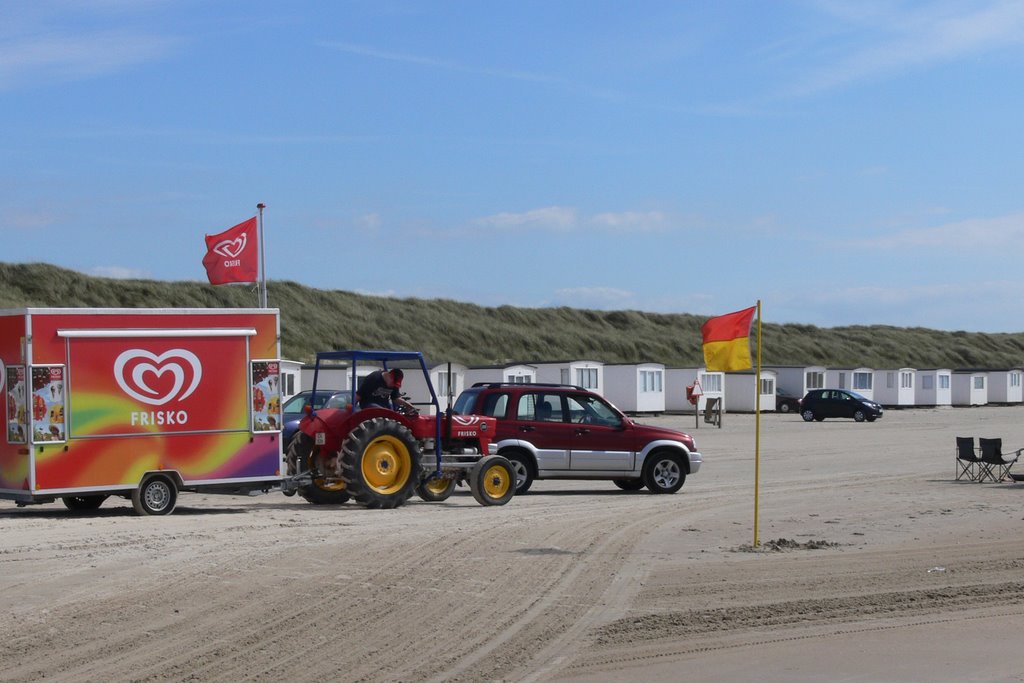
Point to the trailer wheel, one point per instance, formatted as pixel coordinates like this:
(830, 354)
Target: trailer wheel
(380, 463)
(325, 490)
(81, 503)
(433, 489)
(492, 480)
(156, 495)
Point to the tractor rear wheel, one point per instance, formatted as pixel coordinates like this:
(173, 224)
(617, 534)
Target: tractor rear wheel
(492, 480)
(380, 463)
(325, 490)
(434, 490)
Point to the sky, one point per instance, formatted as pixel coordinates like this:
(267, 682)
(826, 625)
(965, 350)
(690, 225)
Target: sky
(845, 163)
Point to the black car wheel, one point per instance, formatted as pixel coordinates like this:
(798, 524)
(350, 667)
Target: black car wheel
(784, 408)
(859, 416)
(808, 415)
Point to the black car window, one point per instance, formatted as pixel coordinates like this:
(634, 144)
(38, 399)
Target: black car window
(495, 405)
(588, 409)
(540, 407)
(465, 402)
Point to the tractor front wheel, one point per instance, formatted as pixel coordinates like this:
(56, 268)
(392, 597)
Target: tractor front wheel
(380, 463)
(492, 480)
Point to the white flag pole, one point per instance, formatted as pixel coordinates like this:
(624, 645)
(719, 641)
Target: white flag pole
(263, 261)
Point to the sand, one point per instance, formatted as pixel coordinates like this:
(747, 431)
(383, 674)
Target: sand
(874, 565)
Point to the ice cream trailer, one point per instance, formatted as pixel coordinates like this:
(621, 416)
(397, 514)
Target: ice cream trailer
(139, 403)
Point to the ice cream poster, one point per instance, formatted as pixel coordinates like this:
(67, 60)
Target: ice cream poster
(48, 403)
(266, 396)
(17, 425)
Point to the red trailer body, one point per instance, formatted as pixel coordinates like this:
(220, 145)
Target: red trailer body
(98, 400)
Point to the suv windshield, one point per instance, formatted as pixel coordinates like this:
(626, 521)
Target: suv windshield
(465, 402)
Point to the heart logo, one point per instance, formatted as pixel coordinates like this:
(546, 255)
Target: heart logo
(136, 369)
(231, 248)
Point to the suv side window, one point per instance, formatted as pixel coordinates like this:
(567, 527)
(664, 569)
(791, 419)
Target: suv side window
(495, 405)
(592, 410)
(540, 407)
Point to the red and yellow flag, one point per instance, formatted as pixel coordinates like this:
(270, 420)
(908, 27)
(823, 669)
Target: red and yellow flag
(727, 341)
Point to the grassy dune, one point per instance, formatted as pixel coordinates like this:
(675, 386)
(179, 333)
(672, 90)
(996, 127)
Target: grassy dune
(317, 319)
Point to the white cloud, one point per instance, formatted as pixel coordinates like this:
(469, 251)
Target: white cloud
(899, 39)
(632, 221)
(435, 63)
(1001, 232)
(602, 298)
(552, 217)
(120, 273)
(568, 219)
(62, 56)
(30, 220)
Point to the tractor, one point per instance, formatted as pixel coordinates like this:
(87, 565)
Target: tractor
(375, 455)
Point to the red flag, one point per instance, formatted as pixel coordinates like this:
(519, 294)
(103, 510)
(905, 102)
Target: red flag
(233, 255)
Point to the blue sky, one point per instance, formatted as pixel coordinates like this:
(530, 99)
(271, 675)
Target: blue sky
(844, 162)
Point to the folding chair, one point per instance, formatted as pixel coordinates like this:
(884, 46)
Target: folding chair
(967, 460)
(994, 466)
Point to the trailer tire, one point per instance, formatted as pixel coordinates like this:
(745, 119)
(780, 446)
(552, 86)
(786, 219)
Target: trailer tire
(492, 480)
(435, 490)
(156, 495)
(322, 491)
(83, 503)
(380, 463)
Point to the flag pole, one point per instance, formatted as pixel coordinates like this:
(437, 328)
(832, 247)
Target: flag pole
(757, 427)
(263, 262)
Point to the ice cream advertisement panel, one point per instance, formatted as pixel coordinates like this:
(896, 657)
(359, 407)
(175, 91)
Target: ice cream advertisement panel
(161, 385)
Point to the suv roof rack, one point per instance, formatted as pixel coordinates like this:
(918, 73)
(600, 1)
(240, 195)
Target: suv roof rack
(526, 385)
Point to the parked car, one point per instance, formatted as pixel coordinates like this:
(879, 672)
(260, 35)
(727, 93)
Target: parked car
(554, 431)
(821, 403)
(786, 402)
(292, 410)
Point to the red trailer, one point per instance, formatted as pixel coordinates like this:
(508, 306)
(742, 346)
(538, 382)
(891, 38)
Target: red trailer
(140, 403)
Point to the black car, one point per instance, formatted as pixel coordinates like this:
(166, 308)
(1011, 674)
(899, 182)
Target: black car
(786, 402)
(821, 403)
(292, 410)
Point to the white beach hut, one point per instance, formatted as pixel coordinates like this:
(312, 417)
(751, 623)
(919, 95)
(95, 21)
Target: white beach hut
(860, 380)
(933, 387)
(588, 374)
(513, 373)
(636, 387)
(740, 386)
(712, 385)
(1004, 386)
(895, 386)
(970, 388)
(797, 380)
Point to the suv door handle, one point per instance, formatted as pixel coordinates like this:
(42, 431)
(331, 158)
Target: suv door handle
(581, 432)
(527, 428)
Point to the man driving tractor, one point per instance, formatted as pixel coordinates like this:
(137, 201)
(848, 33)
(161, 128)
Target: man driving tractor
(381, 389)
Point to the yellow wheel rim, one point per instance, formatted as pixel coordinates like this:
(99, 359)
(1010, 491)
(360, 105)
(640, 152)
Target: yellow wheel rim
(437, 486)
(386, 465)
(497, 481)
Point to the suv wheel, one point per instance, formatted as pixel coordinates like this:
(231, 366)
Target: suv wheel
(523, 469)
(663, 473)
